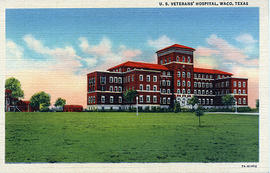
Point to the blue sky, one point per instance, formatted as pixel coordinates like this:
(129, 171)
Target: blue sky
(79, 41)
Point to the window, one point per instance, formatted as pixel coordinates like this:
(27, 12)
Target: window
(177, 58)
(165, 61)
(188, 83)
(188, 74)
(184, 59)
(168, 100)
(102, 99)
(115, 88)
(199, 92)
(202, 75)
(120, 89)
(211, 85)
(179, 74)
(89, 99)
(222, 84)
(163, 82)
(168, 91)
(155, 88)
(168, 73)
(200, 102)
(141, 99)
(169, 59)
(120, 99)
(120, 80)
(218, 77)
(244, 84)
(199, 75)
(148, 78)
(239, 91)
(188, 58)
(184, 91)
(111, 88)
(239, 101)
(161, 62)
(195, 75)
(227, 83)
(234, 91)
(132, 78)
(164, 73)
(120, 70)
(178, 83)
(211, 101)
(168, 83)
(148, 87)
(184, 83)
(234, 83)
(239, 84)
(164, 100)
(148, 99)
(206, 76)
(141, 77)
(154, 78)
(183, 74)
(155, 99)
(211, 76)
(111, 79)
(207, 101)
(164, 91)
(195, 91)
(244, 101)
(244, 91)
(115, 79)
(128, 69)
(94, 99)
(141, 86)
(188, 91)
(178, 91)
(111, 99)
(128, 78)
(103, 80)
(203, 101)
(199, 84)
(211, 92)
(203, 92)
(195, 84)
(207, 92)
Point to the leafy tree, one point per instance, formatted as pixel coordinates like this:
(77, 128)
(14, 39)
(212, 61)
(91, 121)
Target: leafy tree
(60, 102)
(257, 103)
(227, 100)
(199, 112)
(193, 101)
(41, 101)
(177, 107)
(129, 96)
(14, 85)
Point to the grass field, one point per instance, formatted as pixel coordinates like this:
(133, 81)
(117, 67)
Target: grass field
(123, 137)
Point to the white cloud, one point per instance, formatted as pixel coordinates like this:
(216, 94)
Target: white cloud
(161, 42)
(104, 55)
(246, 39)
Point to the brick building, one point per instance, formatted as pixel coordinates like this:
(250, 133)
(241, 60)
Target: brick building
(173, 78)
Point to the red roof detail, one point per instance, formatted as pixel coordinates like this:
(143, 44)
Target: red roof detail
(177, 46)
(140, 65)
(212, 71)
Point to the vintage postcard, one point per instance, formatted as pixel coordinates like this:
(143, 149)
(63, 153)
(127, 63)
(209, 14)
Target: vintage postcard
(116, 86)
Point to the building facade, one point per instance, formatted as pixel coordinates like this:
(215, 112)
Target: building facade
(173, 79)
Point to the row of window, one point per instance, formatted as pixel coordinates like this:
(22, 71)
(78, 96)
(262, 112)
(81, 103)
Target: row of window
(148, 99)
(148, 87)
(115, 79)
(203, 92)
(183, 83)
(240, 84)
(240, 101)
(203, 76)
(92, 81)
(206, 101)
(239, 91)
(116, 88)
(203, 85)
(103, 99)
(91, 99)
(183, 91)
(221, 84)
(164, 83)
(148, 78)
(183, 74)
(178, 59)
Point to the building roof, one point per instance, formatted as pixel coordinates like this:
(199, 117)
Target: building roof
(177, 46)
(140, 65)
(211, 71)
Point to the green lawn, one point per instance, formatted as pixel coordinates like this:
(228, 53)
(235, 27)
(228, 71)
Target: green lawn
(123, 137)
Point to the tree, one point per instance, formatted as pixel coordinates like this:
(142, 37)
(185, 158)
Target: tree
(14, 85)
(129, 96)
(177, 107)
(257, 103)
(60, 102)
(227, 100)
(199, 112)
(41, 101)
(193, 101)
